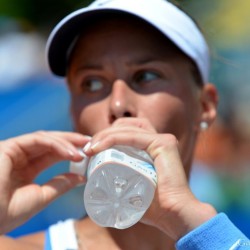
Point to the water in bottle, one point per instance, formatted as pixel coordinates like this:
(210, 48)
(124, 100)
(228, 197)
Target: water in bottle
(120, 187)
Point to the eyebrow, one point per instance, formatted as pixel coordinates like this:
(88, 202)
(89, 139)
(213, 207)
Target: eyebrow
(90, 66)
(139, 61)
(146, 60)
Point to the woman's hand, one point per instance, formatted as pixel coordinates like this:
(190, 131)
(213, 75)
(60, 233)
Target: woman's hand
(174, 210)
(21, 160)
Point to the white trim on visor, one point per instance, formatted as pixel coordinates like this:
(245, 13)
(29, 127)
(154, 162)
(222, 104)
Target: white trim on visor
(164, 16)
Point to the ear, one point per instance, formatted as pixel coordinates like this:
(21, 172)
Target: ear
(209, 102)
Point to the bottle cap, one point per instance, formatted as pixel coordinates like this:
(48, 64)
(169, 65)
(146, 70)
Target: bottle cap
(79, 167)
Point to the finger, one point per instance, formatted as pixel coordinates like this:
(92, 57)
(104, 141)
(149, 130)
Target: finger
(73, 137)
(60, 185)
(66, 140)
(30, 199)
(125, 125)
(163, 149)
(23, 149)
(129, 136)
(30, 141)
(69, 140)
(165, 152)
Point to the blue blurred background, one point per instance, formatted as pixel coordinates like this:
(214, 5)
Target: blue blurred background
(32, 99)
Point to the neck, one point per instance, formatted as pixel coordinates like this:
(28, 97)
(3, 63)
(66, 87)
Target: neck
(141, 236)
(138, 237)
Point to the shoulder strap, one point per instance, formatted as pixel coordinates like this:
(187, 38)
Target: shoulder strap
(61, 236)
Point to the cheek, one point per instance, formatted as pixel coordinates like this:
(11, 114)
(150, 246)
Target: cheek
(88, 118)
(174, 115)
(165, 112)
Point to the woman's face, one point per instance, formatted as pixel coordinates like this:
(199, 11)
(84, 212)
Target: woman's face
(122, 69)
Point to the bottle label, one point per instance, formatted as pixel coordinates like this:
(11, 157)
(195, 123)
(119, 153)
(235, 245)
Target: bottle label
(114, 156)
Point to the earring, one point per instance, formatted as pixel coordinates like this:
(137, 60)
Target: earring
(204, 126)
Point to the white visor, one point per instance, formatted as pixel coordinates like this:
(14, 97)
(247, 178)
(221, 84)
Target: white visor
(164, 16)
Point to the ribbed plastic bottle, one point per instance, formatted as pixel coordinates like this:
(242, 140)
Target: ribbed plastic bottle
(120, 187)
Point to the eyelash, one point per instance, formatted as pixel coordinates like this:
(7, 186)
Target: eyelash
(138, 78)
(147, 73)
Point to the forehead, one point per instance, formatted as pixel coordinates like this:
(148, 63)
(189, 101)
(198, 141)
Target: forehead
(120, 29)
(121, 20)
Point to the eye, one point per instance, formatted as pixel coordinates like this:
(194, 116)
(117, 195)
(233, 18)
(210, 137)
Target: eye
(146, 76)
(92, 85)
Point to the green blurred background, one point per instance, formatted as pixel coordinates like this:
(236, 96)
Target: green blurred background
(32, 99)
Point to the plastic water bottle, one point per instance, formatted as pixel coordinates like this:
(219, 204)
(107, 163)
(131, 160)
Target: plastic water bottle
(120, 187)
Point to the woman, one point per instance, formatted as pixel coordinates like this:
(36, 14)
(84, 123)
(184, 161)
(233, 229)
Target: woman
(137, 72)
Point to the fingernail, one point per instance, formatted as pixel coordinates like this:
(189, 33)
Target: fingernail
(71, 152)
(81, 184)
(95, 145)
(82, 181)
(80, 150)
(86, 147)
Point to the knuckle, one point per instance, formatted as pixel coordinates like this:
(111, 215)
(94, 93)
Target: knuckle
(40, 133)
(171, 140)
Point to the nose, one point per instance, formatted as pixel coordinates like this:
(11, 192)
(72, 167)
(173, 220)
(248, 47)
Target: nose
(122, 101)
